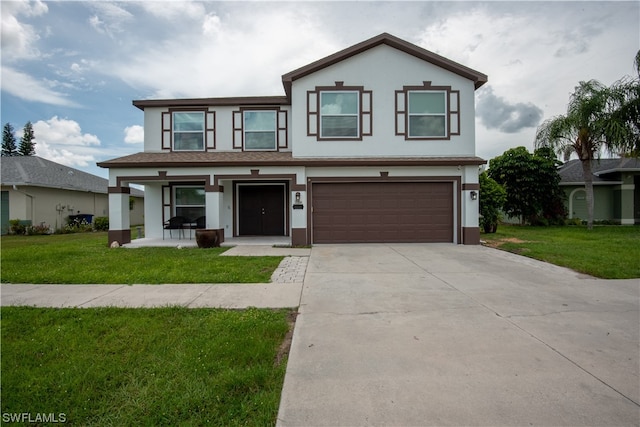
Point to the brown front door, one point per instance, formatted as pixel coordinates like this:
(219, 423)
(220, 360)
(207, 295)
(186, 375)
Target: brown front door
(261, 210)
(382, 212)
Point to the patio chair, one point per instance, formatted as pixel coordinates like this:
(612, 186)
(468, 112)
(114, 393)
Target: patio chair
(175, 223)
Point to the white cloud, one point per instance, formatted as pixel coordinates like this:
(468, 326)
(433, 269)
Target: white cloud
(233, 55)
(134, 134)
(17, 38)
(28, 88)
(113, 18)
(62, 141)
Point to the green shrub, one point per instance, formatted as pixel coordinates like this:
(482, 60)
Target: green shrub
(38, 230)
(101, 223)
(18, 226)
(492, 198)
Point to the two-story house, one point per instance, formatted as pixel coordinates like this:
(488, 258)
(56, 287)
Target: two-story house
(375, 143)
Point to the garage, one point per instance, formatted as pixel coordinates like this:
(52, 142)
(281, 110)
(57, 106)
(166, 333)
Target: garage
(394, 212)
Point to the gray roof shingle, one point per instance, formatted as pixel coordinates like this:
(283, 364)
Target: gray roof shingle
(571, 171)
(38, 172)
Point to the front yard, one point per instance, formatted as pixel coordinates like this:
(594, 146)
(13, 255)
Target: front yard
(85, 258)
(161, 366)
(608, 252)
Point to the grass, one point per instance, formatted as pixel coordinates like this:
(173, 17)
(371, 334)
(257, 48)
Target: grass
(164, 366)
(608, 252)
(85, 258)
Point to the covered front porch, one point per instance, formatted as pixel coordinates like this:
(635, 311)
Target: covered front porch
(186, 242)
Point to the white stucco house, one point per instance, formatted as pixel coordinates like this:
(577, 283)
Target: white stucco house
(375, 143)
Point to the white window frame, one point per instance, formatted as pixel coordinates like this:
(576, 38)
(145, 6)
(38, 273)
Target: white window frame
(195, 132)
(274, 130)
(444, 114)
(323, 115)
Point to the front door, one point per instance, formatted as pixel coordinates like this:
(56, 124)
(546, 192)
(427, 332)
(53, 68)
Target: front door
(261, 209)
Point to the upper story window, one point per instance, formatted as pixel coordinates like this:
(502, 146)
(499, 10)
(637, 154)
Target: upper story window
(339, 112)
(188, 130)
(427, 112)
(260, 130)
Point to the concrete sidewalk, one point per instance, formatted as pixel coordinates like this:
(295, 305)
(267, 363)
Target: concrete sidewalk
(283, 291)
(269, 295)
(415, 335)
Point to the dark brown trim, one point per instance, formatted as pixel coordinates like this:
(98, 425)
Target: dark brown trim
(469, 186)
(167, 130)
(478, 78)
(299, 237)
(357, 179)
(426, 86)
(471, 235)
(257, 177)
(287, 202)
(119, 190)
(160, 161)
(120, 236)
(212, 102)
(163, 176)
(340, 87)
(238, 130)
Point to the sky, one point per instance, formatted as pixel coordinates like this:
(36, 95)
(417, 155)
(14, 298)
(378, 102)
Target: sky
(73, 68)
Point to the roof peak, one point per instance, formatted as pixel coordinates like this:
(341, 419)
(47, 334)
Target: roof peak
(390, 40)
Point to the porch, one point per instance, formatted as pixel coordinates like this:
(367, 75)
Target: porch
(186, 242)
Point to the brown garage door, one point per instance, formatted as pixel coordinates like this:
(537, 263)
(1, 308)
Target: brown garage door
(382, 212)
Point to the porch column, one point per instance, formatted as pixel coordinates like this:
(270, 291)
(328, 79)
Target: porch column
(213, 202)
(119, 226)
(470, 201)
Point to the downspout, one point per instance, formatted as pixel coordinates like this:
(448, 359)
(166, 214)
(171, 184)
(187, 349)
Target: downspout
(33, 218)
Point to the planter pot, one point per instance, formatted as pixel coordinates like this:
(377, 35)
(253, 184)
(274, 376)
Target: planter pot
(207, 238)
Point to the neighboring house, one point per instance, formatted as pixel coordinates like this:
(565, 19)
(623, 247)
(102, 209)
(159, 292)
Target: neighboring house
(616, 190)
(375, 143)
(39, 191)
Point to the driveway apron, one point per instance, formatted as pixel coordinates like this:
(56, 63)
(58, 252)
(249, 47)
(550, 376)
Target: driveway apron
(442, 334)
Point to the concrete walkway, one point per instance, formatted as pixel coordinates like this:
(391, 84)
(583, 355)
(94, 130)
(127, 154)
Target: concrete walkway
(283, 291)
(416, 335)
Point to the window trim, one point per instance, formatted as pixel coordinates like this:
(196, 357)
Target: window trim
(364, 115)
(209, 125)
(452, 111)
(281, 131)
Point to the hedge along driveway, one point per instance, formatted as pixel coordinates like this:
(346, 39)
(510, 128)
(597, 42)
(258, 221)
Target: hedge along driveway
(85, 258)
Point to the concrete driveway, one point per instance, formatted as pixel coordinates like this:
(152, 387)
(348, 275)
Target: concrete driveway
(414, 335)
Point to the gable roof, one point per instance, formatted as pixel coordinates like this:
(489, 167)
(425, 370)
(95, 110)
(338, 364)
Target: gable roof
(385, 38)
(477, 77)
(571, 171)
(38, 172)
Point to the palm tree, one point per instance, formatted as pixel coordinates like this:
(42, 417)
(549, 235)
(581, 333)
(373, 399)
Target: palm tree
(598, 118)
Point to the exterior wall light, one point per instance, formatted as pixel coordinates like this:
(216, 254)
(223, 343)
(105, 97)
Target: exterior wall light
(298, 197)
(474, 195)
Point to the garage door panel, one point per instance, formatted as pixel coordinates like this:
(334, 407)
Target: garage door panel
(382, 212)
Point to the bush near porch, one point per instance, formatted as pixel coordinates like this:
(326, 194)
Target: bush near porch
(84, 258)
(607, 252)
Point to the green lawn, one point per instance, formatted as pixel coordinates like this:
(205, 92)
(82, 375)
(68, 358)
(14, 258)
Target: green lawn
(85, 258)
(161, 366)
(608, 252)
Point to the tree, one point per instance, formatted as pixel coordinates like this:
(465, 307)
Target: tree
(27, 145)
(532, 184)
(492, 198)
(8, 141)
(598, 118)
